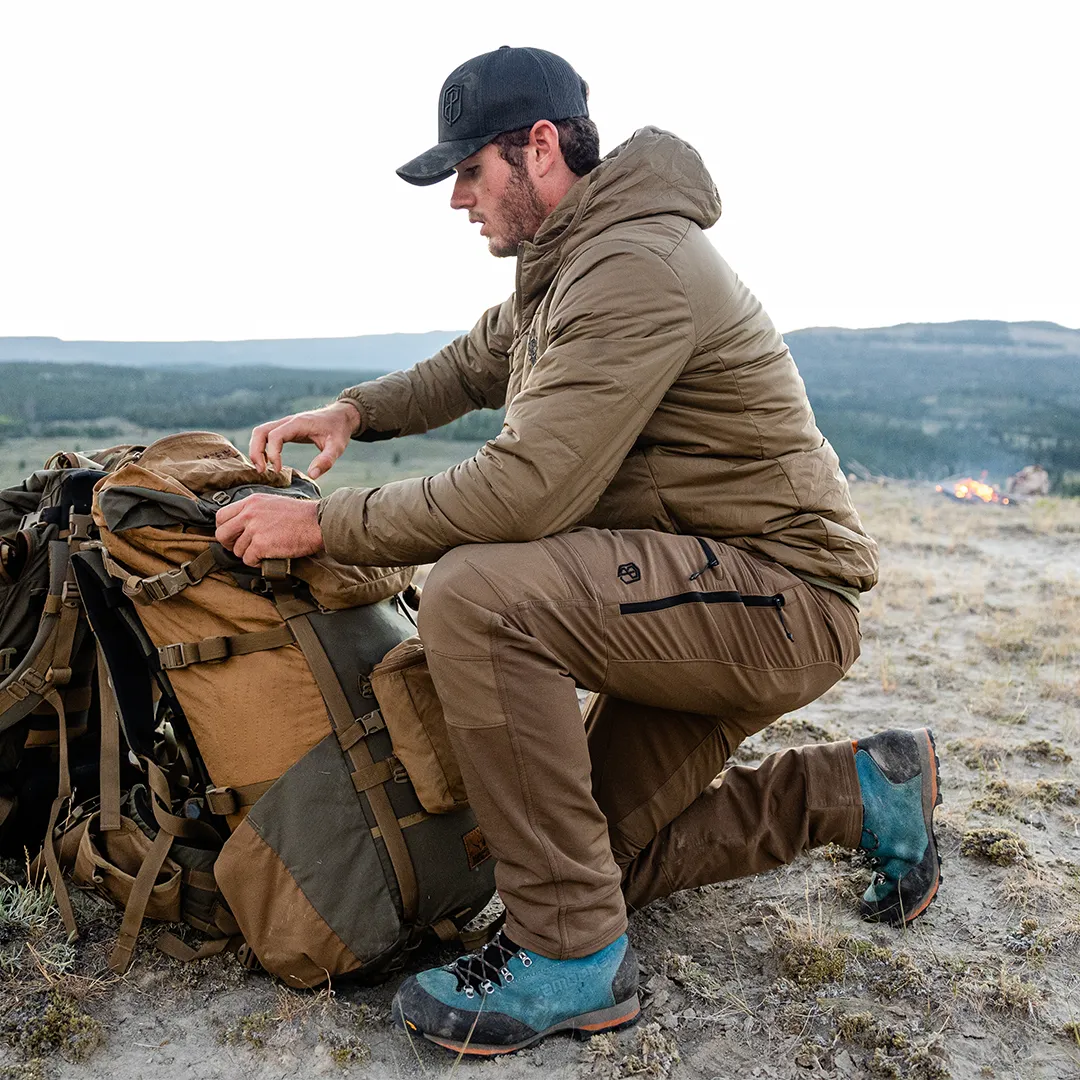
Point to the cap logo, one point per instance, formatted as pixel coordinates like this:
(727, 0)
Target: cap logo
(451, 103)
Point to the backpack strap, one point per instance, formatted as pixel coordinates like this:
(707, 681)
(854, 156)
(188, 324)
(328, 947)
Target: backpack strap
(109, 767)
(170, 826)
(226, 801)
(183, 654)
(295, 612)
(172, 946)
(149, 590)
(122, 955)
(52, 861)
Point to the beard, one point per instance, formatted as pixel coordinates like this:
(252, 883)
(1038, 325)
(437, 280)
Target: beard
(520, 215)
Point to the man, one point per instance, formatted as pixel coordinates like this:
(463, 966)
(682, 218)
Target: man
(660, 521)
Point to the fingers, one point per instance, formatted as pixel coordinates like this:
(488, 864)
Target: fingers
(257, 445)
(323, 463)
(266, 526)
(267, 439)
(332, 449)
(330, 428)
(229, 525)
(275, 440)
(237, 527)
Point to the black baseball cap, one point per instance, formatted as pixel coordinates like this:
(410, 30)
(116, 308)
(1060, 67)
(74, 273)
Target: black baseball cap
(499, 91)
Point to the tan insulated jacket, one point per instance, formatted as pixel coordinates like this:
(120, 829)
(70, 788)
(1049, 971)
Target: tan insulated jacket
(645, 388)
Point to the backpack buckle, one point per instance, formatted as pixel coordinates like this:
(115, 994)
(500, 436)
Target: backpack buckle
(79, 525)
(29, 682)
(276, 569)
(162, 586)
(222, 801)
(373, 721)
(7, 661)
(181, 654)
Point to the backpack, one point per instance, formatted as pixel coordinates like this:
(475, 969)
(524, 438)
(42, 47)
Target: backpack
(269, 788)
(48, 706)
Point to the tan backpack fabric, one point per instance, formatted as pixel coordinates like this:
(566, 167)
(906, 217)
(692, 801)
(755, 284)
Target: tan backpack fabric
(414, 718)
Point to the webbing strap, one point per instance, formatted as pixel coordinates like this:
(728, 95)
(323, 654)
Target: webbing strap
(168, 822)
(172, 946)
(109, 766)
(135, 909)
(185, 653)
(377, 773)
(64, 636)
(163, 586)
(404, 822)
(445, 930)
(52, 861)
(52, 666)
(295, 613)
(231, 800)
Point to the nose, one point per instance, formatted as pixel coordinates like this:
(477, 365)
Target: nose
(461, 198)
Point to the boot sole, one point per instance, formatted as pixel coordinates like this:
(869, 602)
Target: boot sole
(931, 801)
(584, 1026)
(930, 768)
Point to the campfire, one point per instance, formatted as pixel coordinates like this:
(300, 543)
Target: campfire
(970, 490)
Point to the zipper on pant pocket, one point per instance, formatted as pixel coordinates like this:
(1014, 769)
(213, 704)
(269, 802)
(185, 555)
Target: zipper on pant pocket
(776, 602)
(711, 561)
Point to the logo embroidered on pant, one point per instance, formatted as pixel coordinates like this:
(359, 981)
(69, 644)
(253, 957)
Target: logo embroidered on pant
(629, 573)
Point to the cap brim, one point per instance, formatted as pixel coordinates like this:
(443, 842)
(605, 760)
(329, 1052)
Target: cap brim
(438, 163)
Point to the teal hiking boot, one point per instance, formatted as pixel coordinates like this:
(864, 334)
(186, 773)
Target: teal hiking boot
(504, 998)
(900, 784)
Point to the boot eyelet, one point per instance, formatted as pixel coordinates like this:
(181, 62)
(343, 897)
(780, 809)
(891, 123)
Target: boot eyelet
(505, 975)
(469, 992)
(525, 958)
(487, 986)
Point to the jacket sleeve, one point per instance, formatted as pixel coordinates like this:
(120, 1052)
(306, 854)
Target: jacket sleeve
(619, 332)
(469, 373)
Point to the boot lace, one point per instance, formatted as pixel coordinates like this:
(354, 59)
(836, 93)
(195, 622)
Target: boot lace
(488, 968)
(873, 844)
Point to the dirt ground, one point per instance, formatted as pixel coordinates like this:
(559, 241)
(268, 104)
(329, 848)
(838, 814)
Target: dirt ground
(974, 631)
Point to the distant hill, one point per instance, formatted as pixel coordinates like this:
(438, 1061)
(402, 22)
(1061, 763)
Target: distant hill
(942, 359)
(916, 400)
(383, 352)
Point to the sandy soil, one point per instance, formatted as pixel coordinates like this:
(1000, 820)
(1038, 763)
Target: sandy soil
(975, 632)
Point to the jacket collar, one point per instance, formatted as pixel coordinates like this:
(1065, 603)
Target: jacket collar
(653, 172)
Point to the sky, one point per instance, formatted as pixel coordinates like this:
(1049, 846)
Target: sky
(225, 170)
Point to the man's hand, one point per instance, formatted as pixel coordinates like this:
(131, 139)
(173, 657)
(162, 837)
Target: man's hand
(270, 527)
(329, 428)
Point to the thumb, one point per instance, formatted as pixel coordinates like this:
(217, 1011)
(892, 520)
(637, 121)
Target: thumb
(324, 462)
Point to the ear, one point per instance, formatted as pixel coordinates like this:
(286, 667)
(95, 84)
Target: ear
(543, 152)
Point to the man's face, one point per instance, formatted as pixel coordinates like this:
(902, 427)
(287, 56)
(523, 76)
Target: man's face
(503, 198)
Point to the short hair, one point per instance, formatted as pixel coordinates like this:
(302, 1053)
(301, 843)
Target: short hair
(579, 142)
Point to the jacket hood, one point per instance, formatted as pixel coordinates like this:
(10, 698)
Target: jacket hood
(653, 172)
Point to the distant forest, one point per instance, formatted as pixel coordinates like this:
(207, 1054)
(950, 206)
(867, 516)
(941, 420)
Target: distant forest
(901, 402)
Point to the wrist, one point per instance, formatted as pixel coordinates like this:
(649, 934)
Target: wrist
(352, 410)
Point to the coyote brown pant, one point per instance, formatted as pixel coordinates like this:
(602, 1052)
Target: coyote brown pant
(685, 666)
